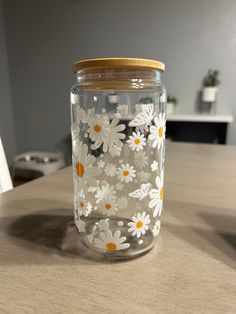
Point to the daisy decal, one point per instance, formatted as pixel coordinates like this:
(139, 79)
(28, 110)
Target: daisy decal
(156, 228)
(83, 164)
(98, 130)
(80, 224)
(101, 163)
(108, 206)
(144, 176)
(113, 142)
(126, 173)
(83, 208)
(109, 242)
(157, 195)
(119, 186)
(157, 131)
(103, 224)
(122, 111)
(122, 202)
(137, 141)
(140, 159)
(110, 170)
(115, 151)
(139, 224)
(154, 165)
(106, 191)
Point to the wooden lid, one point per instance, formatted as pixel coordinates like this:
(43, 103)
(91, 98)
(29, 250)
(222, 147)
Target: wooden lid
(126, 63)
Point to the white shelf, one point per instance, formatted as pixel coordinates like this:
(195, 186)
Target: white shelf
(198, 117)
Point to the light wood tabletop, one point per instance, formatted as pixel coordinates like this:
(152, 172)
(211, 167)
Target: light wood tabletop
(192, 270)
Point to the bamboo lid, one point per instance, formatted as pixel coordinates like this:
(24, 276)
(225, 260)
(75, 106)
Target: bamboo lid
(115, 63)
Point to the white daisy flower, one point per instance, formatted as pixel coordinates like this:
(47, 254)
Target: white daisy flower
(109, 242)
(83, 207)
(144, 176)
(140, 159)
(89, 207)
(108, 206)
(119, 186)
(139, 224)
(123, 110)
(115, 151)
(157, 131)
(120, 223)
(80, 224)
(83, 164)
(126, 173)
(122, 202)
(136, 141)
(110, 170)
(92, 189)
(154, 165)
(106, 191)
(157, 195)
(101, 163)
(82, 115)
(98, 130)
(114, 137)
(156, 228)
(103, 224)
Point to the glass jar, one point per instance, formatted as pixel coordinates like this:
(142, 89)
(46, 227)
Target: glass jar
(118, 136)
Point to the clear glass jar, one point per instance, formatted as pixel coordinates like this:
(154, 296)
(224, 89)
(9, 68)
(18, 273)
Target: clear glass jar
(118, 134)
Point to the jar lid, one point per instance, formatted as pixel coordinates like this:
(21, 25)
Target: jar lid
(126, 63)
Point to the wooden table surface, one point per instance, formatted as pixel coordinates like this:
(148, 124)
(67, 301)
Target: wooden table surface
(42, 269)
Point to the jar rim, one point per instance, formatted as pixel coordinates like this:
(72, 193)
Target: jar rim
(115, 63)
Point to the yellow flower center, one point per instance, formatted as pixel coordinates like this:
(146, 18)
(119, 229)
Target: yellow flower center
(139, 224)
(160, 132)
(126, 173)
(79, 169)
(97, 128)
(108, 206)
(81, 204)
(137, 141)
(111, 246)
(161, 193)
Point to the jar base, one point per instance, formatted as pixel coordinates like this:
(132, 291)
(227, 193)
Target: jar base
(138, 246)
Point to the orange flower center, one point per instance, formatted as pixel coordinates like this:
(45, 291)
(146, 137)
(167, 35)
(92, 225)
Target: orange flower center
(126, 173)
(139, 224)
(81, 204)
(80, 169)
(137, 141)
(160, 132)
(108, 206)
(111, 246)
(97, 128)
(162, 193)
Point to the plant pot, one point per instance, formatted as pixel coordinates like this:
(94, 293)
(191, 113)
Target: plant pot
(209, 94)
(169, 108)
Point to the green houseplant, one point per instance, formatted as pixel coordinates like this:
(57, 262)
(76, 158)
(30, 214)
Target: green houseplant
(210, 83)
(171, 103)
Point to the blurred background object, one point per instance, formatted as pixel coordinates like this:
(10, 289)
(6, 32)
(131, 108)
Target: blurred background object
(5, 179)
(39, 40)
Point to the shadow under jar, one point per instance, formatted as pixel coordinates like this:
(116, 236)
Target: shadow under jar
(118, 133)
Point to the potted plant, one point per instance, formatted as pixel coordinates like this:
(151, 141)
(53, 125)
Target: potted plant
(171, 103)
(210, 84)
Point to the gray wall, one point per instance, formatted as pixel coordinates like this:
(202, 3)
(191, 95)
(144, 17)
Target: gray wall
(6, 114)
(45, 37)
